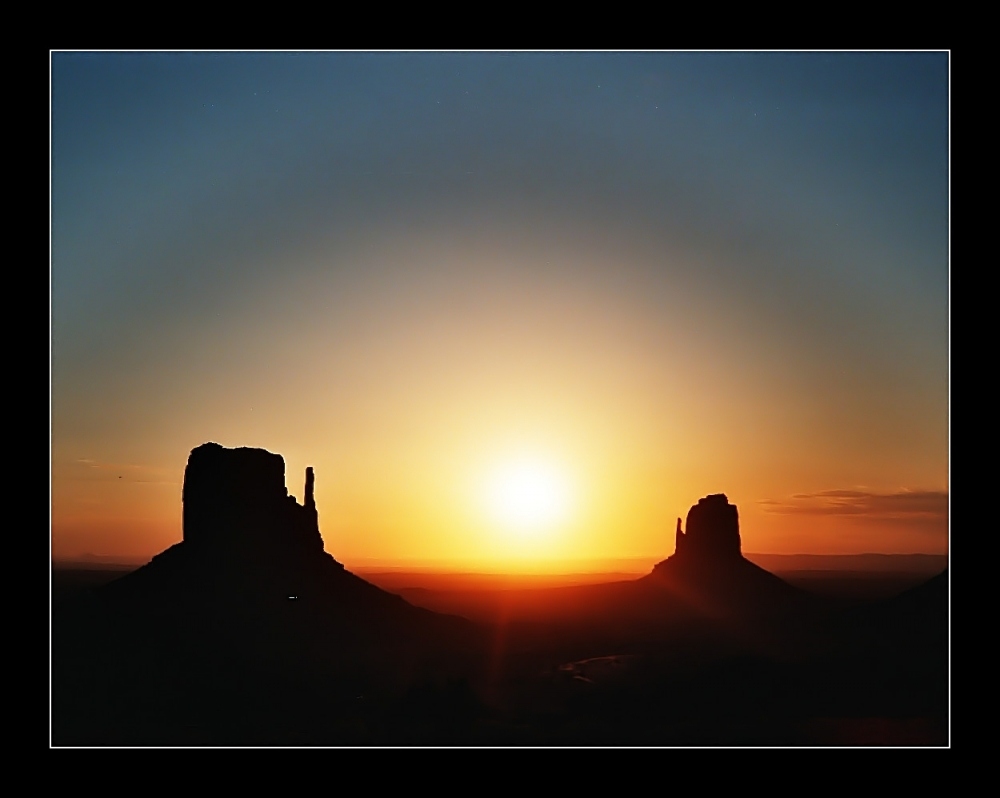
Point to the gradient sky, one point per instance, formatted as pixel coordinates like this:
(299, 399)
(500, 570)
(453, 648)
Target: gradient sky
(668, 274)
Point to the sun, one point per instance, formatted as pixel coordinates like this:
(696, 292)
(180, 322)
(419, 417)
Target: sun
(528, 495)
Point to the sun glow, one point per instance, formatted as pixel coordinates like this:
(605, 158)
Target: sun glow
(528, 496)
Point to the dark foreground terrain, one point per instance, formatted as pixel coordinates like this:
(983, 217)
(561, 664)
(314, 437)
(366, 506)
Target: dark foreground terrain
(552, 666)
(249, 633)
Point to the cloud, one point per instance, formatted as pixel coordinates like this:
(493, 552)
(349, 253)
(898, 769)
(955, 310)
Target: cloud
(900, 505)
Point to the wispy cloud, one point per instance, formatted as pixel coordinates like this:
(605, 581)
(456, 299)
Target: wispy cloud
(899, 505)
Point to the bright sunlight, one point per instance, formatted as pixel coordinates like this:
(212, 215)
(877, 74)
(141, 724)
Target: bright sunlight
(528, 495)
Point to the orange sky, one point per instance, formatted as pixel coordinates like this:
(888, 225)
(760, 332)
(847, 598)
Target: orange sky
(403, 402)
(748, 295)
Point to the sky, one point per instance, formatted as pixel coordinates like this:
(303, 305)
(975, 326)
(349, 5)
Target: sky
(652, 276)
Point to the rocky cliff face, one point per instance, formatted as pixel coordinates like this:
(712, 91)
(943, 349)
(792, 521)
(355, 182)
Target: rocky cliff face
(236, 499)
(713, 531)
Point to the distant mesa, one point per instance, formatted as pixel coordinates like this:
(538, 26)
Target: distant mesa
(708, 569)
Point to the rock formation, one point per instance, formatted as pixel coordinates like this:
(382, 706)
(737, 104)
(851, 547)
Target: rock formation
(252, 557)
(708, 569)
(236, 499)
(247, 629)
(713, 530)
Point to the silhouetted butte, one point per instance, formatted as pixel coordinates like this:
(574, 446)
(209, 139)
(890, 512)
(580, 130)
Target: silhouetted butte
(709, 572)
(246, 630)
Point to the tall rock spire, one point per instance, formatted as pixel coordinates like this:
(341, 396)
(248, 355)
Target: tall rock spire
(310, 501)
(678, 538)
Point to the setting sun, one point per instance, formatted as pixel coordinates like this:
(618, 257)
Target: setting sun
(528, 495)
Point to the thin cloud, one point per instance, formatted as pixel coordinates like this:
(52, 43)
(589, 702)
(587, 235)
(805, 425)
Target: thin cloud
(901, 505)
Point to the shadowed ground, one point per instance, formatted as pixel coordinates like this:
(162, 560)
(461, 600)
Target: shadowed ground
(248, 633)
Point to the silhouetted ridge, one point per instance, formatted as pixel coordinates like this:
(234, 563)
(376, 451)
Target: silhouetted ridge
(708, 570)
